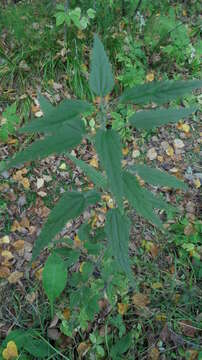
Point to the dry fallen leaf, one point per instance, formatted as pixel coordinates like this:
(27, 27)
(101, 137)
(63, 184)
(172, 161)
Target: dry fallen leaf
(81, 267)
(157, 285)
(150, 76)
(192, 355)
(25, 182)
(187, 328)
(197, 183)
(135, 154)
(4, 272)
(178, 144)
(66, 313)
(122, 308)
(152, 154)
(125, 151)
(5, 240)
(77, 242)
(7, 255)
(83, 348)
(94, 162)
(15, 277)
(63, 166)
(38, 274)
(11, 351)
(184, 127)
(170, 151)
(140, 300)
(40, 183)
(16, 226)
(19, 244)
(154, 354)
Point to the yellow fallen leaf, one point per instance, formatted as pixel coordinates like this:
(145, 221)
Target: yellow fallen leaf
(157, 285)
(25, 182)
(66, 313)
(184, 13)
(161, 317)
(170, 151)
(63, 166)
(12, 141)
(4, 272)
(197, 183)
(160, 158)
(94, 162)
(16, 226)
(122, 308)
(11, 351)
(15, 277)
(38, 274)
(125, 151)
(81, 267)
(77, 242)
(140, 300)
(7, 255)
(5, 240)
(94, 222)
(150, 76)
(186, 128)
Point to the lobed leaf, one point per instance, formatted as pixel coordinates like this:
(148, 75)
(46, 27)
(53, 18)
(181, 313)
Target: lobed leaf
(101, 78)
(159, 92)
(153, 118)
(157, 177)
(117, 229)
(108, 146)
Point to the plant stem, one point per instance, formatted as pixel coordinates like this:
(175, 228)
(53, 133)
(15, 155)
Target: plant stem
(65, 25)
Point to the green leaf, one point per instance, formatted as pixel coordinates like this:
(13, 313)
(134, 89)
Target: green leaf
(60, 18)
(91, 13)
(154, 118)
(101, 78)
(54, 277)
(67, 113)
(121, 346)
(95, 176)
(108, 146)
(157, 177)
(38, 348)
(117, 229)
(65, 139)
(138, 198)
(70, 205)
(91, 197)
(18, 336)
(159, 92)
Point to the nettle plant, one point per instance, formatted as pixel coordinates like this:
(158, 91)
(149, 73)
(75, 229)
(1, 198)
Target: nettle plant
(65, 16)
(64, 129)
